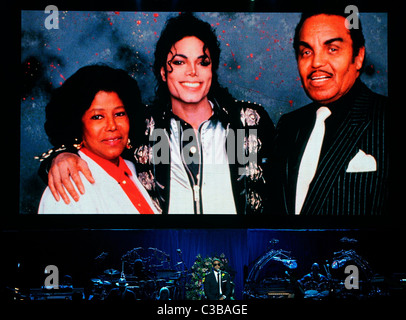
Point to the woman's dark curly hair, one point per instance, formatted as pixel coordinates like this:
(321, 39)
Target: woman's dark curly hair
(177, 28)
(71, 100)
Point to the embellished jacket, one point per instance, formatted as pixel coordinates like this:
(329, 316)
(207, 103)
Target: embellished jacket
(249, 177)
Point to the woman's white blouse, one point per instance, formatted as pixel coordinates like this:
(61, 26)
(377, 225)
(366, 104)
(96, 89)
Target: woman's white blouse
(104, 196)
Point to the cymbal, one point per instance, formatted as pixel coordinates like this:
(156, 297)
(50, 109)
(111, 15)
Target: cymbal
(96, 281)
(111, 272)
(99, 282)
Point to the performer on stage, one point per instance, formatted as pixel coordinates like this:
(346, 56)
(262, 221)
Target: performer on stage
(121, 293)
(314, 277)
(217, 284)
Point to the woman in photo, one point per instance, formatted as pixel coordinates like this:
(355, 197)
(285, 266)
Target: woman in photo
(98, 109)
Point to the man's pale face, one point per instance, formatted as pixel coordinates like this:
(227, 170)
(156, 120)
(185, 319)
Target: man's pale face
(325, 59)
(188, 71)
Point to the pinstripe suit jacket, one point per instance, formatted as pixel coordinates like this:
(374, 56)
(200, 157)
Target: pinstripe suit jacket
(333, 190)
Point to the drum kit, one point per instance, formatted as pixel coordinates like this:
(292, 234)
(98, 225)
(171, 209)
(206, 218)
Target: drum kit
(272, 276)
(145, 272)
(337, 273)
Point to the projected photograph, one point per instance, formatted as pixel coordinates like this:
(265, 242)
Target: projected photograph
(203, 113)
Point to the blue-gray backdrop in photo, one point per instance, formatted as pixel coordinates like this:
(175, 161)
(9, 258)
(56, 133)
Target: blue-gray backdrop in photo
(257, 64)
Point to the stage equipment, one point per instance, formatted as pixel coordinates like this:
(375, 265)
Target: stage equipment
(146, 271)
(340, 261)
(271, 276)
(71, 294)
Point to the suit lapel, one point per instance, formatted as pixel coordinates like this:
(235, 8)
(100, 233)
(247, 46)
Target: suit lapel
(333, 161)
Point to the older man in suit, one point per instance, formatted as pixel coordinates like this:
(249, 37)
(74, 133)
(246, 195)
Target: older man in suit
(330, 156)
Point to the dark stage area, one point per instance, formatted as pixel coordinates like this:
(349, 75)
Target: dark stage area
(263, 263)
